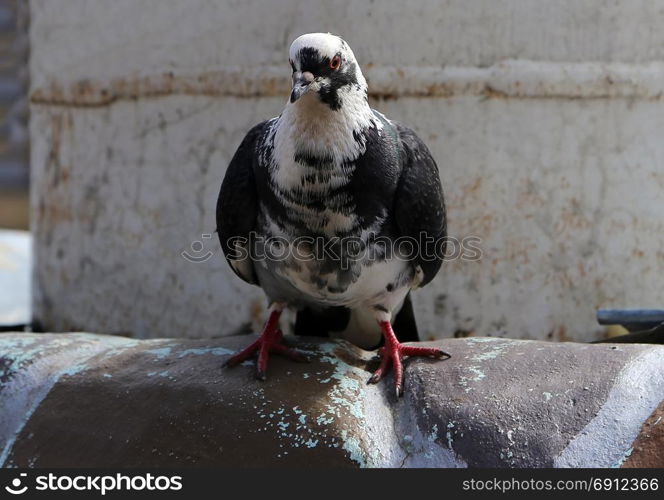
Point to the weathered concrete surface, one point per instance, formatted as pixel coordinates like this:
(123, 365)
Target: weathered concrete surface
(15, 275)
(137, 110)
(92, 400)
(207, 33)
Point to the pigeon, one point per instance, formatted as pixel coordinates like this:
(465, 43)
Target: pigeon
(335, 211)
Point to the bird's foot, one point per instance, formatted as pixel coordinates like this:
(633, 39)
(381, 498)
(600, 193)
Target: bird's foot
(393, 352)
(269, 341)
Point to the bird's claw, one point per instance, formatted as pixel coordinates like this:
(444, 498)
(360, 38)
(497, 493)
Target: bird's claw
(443, 355)
(270, 341)
(289, 353)
(393, 355)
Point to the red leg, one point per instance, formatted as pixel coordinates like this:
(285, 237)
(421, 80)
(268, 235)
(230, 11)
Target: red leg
(393, 351)
(269, 341)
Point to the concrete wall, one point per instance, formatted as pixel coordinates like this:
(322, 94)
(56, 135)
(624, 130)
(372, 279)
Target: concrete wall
(545, 119)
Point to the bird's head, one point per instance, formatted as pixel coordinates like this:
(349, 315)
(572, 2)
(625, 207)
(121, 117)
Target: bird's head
(324, 67)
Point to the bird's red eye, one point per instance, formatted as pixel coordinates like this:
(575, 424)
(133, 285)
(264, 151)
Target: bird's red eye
(335, 62)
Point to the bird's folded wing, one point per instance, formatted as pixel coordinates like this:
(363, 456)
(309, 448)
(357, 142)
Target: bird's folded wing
(419, 206)
(237, 207)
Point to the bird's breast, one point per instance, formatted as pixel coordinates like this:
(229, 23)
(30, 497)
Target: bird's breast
(318, 200)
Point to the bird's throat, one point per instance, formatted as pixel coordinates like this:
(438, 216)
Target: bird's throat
(309, 125)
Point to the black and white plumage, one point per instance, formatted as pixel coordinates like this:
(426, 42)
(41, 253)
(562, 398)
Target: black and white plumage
(314, 199)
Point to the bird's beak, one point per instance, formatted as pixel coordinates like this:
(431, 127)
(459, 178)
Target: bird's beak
(301, 82)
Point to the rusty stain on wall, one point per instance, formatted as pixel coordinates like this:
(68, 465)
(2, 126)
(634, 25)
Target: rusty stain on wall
(507, 79)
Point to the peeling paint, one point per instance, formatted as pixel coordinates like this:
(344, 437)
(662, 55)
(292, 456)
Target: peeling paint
(448, 435)
(620, 462)
(160, 353)
(199, 351)
(491, 353)
(345, 392)
(291, 425)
